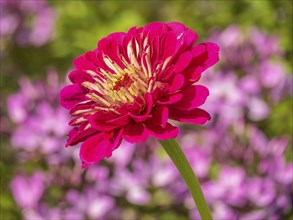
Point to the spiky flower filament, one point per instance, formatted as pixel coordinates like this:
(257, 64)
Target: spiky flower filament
(123, 86)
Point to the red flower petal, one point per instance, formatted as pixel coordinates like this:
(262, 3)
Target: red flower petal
(82, 63)
(195, 116)
(82, 108)
(78, 77)
(204, 56)
(135, 133)
(76, 136)
(192, 97)
(100, 120)
(146, 113)
(111, 45)
(117, 140)
(169, 45)
(71, 95)
(183, 61)
(121, 121)
(155, 29)
(188, 36)
(170, 99)
(95, 148)
(159, 116)
(176, 83)
(169, 131)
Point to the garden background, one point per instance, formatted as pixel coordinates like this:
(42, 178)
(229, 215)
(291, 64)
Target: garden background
(243, 156)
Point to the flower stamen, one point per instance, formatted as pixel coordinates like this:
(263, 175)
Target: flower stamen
(124, 85)
(98, 99)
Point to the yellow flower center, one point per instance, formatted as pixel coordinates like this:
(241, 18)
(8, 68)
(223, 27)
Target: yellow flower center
(124, 85)
(115, 89)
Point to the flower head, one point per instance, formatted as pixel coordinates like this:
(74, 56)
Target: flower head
(132, 83)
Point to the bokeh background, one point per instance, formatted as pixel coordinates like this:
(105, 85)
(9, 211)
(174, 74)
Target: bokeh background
(243, 156)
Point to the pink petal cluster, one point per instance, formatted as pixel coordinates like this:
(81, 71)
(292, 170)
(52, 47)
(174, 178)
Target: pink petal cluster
(132, 84)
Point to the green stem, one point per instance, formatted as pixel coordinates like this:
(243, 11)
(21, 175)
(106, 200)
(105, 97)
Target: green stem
(177, 156)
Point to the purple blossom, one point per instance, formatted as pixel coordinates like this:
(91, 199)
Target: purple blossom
(239, 85)
(15, 22)
(20, 184)
(35, 103)
(91, 203)
(262, 191)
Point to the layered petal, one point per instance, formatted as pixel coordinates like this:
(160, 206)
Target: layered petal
(78, 77)
(170, 99)
(135, 133)
(204, 56)
(95, 148)
(160, 132)
(107, 121)
(145, 114)
(76, 135)
(183, 61)
(71, 95)
(192, 97)
(195, 116)
(185, 35)
(159, 116)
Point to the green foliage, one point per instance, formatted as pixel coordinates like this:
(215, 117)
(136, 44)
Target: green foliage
(8, 208)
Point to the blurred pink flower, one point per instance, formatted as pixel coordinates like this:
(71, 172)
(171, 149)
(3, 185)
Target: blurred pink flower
(248, 58)
(27, 190)
(38, 102)
(91, 203)
(29, 22)
(264, 45)
(230, 186)
(132, 84)
(254, 215)
(199, 159)
(262, 191)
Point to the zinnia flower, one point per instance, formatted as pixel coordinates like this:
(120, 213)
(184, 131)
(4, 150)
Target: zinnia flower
(132, 84)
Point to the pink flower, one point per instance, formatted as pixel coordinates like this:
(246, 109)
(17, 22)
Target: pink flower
(132, 83)
(28, 198)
